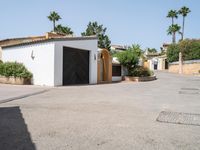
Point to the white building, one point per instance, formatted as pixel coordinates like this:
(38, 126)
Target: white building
(158, 63)
(57, 61)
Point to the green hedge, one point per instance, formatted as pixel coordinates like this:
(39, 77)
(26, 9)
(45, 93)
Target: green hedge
(14, 69)
(189, 48)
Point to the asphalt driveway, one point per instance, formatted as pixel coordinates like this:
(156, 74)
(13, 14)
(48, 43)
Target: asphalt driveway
(119, 116)
(12, 92)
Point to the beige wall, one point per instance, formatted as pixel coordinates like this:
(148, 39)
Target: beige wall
(192, 68)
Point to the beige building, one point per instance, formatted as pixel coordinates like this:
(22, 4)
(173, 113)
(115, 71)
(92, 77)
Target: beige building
(117, 48)
(155, 61)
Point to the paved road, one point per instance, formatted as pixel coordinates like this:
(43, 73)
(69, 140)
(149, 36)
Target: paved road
(118, 116)
(12, 92)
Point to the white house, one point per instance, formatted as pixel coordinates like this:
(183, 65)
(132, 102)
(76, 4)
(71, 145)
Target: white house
(57, 61)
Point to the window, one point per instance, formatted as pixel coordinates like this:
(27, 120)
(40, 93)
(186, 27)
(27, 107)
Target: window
(116, 70)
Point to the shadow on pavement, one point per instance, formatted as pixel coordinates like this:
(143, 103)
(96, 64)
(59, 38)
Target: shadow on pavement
(14, 134)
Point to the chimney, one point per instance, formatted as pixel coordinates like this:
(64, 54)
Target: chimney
(50, 35)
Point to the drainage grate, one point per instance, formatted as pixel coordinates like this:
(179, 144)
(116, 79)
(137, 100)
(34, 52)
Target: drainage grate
(192, 89)
(195, 80)
(189, 91)
(179, 118)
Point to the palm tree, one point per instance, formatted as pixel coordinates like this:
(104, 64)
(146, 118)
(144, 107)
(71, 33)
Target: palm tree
(172, 14)
(63, 30)
(54, 17)
(172, 30)
(183, 11)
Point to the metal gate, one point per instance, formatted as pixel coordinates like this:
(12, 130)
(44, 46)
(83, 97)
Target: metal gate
(75, 66)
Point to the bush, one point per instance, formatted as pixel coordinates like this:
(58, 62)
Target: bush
(189, 48)
(1, 61)
(141, 72)
(14, 69)
(173, 53)
(128, 58)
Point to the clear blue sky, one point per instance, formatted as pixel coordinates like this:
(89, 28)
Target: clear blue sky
(128, 22)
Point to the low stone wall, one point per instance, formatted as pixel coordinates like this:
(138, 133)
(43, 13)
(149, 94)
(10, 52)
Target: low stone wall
(13, 80)
(139, 79)
(191, 67)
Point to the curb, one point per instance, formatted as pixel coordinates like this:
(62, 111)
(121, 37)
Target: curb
(22, 96)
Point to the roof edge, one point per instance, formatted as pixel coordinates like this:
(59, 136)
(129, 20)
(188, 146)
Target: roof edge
(53, 40)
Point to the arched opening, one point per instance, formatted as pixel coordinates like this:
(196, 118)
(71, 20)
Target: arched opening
(104, 66)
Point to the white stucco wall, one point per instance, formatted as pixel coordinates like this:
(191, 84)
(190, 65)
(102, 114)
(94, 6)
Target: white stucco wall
(47, 65)
(161, 63)
(90, 45)
(42, 66)
(0, 53)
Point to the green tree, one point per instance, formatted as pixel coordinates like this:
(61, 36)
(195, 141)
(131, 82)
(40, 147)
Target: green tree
(190, 50)
(63, 30)
(54, 17)
(151, 50)
(129, 59)
(172, 14)
(135, 48)
(184, 11)
(173, 53)
(94, 29)
(172, 30)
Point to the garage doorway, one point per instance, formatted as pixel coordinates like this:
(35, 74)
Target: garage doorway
(75, 66)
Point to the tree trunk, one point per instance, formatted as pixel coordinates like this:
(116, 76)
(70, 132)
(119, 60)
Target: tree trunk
(173, 34)
(183, 26)
(174, 37)
(54, 26)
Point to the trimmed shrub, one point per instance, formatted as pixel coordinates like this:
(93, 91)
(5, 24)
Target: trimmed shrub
(189, 48)
(141, 72)
(14, 69)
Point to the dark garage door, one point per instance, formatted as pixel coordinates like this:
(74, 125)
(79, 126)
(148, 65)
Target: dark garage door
(75, 66)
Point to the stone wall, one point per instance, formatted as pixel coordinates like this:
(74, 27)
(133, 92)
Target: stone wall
(189, 67)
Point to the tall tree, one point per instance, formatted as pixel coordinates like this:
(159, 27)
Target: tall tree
(151, 50)
(172, 30)
(136, 48)
(184, 11)
(93, 28)
(63, 30)
(54, 17)
(173, 14)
